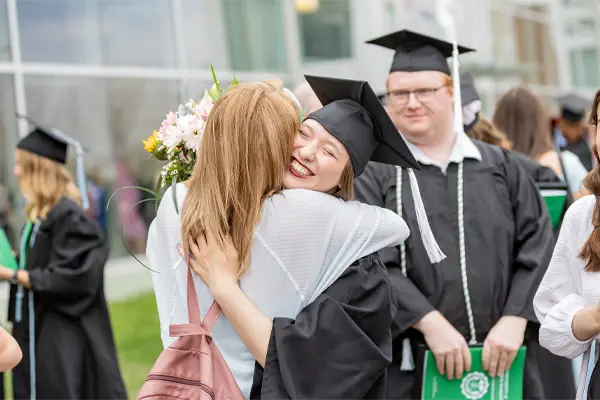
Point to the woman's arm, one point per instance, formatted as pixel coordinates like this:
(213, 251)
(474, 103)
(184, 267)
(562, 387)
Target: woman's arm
(567, 325)
(10, 352)
(218, 269)
(333, 234)
(586, 323)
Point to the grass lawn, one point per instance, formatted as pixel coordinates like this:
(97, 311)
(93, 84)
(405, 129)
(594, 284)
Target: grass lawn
(137, 335)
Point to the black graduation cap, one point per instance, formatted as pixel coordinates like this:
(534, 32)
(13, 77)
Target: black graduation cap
(53, 144)
(353, 114)
(417, 52)
(468, 91)
(45, 144)
(468, 96)
(573, 107)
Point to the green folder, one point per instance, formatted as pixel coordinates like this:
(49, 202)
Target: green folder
(555, 201)
(476, 384)
(7, 258)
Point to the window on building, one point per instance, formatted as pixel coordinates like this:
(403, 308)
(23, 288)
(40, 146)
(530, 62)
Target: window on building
(97, 32)
(255, 35)
(584, 67)
(4, 40)
(326, 34)
(534, 49)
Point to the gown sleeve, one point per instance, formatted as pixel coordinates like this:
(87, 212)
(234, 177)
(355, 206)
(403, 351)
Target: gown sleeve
(74, 273)
(559, 296)
(339, 346)
(534, 241)
(371, 188)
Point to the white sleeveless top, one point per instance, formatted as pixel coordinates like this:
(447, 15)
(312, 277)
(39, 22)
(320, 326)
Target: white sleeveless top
(302, 244)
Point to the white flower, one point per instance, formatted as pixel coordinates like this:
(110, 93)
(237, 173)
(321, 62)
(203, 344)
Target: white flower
(171, 137)
(192, 129)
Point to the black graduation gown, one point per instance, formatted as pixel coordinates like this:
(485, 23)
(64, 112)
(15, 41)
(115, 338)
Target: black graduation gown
(509, 243)
(338, 347)
(556, 371)
(75, 351)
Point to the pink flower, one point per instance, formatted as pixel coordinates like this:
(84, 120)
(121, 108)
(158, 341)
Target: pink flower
(170, 119)
(202, 109)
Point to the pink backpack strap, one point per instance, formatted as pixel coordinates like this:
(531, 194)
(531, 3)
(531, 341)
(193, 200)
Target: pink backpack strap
(194, 311)
(211, 316)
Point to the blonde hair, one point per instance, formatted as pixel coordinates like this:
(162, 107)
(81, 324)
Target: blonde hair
(44, 183)
(246, 146)
(487, 132)
(346, 185)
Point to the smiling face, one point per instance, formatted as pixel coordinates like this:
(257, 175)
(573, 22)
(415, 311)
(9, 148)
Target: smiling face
(420, 103)
(318, 160)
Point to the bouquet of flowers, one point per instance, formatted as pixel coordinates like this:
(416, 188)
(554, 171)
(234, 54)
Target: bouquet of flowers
(178, 139)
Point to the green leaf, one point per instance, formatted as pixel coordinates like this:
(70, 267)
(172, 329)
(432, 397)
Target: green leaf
(214, 93)
(128, 187)
(234, 81)
(160, 153)
(174, 192)
(212, 70)
(158, 196)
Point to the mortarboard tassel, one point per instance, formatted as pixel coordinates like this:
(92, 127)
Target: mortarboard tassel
(431, 246)
(81, 181)
(408, 363)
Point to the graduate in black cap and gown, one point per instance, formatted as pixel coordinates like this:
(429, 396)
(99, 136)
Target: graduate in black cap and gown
(570, 132)
(556, 371)
(486, 214)
(339, 346)
(57, 302)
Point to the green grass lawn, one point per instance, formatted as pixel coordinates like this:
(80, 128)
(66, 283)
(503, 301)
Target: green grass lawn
(137, 335)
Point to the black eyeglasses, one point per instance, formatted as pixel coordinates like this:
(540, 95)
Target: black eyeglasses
(423, 95)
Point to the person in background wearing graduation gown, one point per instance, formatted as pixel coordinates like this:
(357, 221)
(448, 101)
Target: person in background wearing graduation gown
(327, 350)
(57, 302)
(485, 211)
(482, 129)
(556, 371)
(521, 116)
(570, 131)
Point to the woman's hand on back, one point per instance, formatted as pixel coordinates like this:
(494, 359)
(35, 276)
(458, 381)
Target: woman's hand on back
(217, 267)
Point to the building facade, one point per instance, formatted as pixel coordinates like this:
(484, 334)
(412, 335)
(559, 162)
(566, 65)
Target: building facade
(107, 71)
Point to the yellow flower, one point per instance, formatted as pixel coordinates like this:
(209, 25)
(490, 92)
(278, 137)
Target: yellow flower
(151, 143)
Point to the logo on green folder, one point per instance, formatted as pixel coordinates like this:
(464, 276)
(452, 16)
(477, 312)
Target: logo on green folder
(474, 385)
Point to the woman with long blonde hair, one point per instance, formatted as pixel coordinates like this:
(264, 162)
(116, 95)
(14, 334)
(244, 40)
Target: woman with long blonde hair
(284, 247)
(57, 305)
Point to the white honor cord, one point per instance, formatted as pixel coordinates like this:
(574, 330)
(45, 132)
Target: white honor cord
(461, 244)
